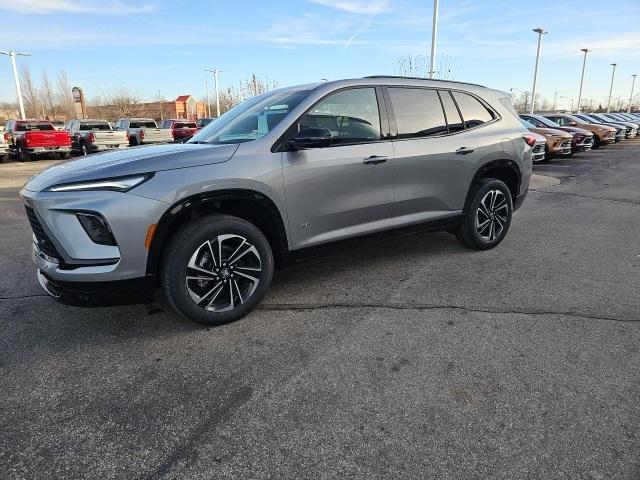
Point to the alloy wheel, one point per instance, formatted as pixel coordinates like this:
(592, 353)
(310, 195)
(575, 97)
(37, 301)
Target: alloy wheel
(223, 273)
(492, 215)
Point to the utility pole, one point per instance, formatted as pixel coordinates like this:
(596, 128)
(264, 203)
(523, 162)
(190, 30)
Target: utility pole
(633, 82)
(584, 62)
(206, 84)
(215, 72)
(540, 31)
(160, 102)
(434, 32)
(13, 56)
(555, 100)
(613, 74)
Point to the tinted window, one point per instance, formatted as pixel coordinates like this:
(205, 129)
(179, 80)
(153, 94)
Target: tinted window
(185, 125)
(531, 122)
(95, 126)
(350, 115)
(142, 124)
(34, 126)
(418, 112)
(454, 121)
(473, 112)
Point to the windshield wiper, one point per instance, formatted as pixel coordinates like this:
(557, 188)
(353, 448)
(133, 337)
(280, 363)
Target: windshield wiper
(198, 141)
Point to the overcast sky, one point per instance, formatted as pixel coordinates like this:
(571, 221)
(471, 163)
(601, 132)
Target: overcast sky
(162, 45)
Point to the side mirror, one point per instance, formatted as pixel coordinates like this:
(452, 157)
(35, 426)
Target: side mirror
(310, 138)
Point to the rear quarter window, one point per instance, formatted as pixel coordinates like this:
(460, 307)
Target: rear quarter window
(473, 111)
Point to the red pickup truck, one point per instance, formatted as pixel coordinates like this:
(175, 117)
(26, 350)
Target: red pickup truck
(180, 128)
(27, 138)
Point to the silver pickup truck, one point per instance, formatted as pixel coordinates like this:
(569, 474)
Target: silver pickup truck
(144, 131)
(90, 136)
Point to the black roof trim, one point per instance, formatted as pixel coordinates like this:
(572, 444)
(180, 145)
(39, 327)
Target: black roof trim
(426, 79)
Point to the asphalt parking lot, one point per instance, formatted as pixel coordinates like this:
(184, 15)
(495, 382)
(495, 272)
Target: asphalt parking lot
(411, 358)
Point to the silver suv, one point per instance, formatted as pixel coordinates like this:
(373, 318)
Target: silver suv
(280, 174)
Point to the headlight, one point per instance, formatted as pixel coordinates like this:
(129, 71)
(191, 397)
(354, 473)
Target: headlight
(117, 184)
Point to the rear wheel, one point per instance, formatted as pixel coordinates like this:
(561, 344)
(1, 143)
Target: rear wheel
(65, 155)
(487, 217)
(217, 269)
(24, 155)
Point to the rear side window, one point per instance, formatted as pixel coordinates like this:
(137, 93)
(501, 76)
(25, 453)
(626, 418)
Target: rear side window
(34, 126)
(473, 112)
(454, 121)
(185, 125)
(418, 112)
(350, 115)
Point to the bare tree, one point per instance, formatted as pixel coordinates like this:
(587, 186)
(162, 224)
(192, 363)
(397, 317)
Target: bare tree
(30, 94)
(418, 66)
(64, 98)
(47, 95)
(245, 89)
(521, 103)
(122, 102)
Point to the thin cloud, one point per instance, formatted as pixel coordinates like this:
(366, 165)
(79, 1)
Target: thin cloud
(46, 7)
(361, 7)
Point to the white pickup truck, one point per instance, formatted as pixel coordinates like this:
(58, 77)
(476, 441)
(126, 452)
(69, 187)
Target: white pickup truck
(143, 131)
(4, 147)
(90, 136)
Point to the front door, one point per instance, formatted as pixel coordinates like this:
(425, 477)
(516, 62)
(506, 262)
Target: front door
(345, 189)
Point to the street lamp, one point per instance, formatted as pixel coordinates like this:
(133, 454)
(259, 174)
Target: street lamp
(215, 72)
(564, 96)
(434, 31)
(13, 55)
(584, 62)
(206, 86)
(631, 96)
(540, 31)
(613, 74)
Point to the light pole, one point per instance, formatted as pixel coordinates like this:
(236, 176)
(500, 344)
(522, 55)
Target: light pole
(564, 96)
(434, 31)
(584, 62)
(633, 82)
(555, 100)
(540, 31)
(206, 85)
(215, 72)
(160, 102)
(613, 74)
(13, 55)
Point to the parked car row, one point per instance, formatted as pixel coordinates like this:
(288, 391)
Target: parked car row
(565, 134)
(25, 139)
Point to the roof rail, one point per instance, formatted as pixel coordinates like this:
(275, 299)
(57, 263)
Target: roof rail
(422, 78)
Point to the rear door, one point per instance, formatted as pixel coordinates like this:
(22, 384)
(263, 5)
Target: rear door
(434, 155)
(345, 189)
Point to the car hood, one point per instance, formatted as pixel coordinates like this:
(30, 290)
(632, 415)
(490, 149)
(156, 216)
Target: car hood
(578, 130)
(551, 131)
(130, 162)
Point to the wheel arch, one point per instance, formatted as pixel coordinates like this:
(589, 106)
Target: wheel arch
(250, 205)
(502, 169)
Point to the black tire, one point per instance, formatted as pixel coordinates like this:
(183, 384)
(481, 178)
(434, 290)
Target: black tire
(596, 142)
(65, 155)
(133, 142)
(24, 155)
(468, 233)
(83, 149)
(186, 244)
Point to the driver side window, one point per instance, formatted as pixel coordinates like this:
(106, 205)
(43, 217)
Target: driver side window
(352, 116)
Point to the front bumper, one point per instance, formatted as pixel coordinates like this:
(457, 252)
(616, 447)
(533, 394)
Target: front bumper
(583, 145)
(561, 147)
(538, 152)
(64, 252)
(40, 150)
(99, 294)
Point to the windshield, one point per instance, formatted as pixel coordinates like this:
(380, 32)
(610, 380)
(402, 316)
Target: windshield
(252, 119)
(185, 125)
(95, 126)
(546, 122)
(527, 123)
(31, 126)
(580, 118)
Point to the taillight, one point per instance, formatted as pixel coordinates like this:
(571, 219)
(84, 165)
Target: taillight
(127, 136)
(7, 137)
(91, 137)
(26, 140)
(173, 134)
(141, 134)
(529, 139)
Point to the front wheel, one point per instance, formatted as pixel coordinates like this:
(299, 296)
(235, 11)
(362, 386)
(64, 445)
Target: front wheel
(217, 269)
(487, 217)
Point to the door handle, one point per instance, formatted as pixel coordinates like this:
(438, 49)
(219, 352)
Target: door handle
(374, 160)
(464, 151)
